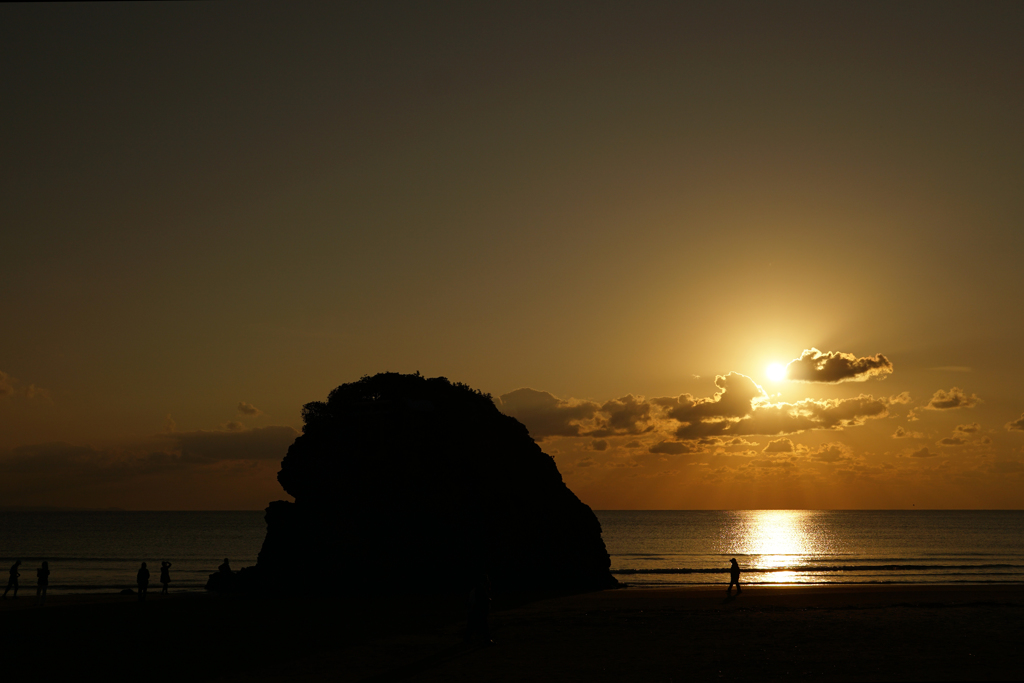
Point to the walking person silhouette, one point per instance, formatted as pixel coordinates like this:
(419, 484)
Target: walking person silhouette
(165, 576)
(12, 582)
(734, 577)
(142, 579)
(42, 581)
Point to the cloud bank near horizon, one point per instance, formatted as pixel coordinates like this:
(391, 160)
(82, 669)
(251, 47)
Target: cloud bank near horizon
(60, 472)
(740, 407)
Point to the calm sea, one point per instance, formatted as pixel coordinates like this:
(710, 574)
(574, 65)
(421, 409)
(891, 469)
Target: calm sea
(666, 548)
(101, 551)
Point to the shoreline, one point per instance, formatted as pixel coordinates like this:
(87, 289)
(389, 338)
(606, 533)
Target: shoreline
(28, 592)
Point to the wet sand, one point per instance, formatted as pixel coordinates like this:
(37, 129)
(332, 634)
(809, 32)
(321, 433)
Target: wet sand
(838, 633)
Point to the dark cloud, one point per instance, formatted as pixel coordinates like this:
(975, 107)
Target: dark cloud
(779, 446)
(1016, 425)
(627, 415)
(621, 464)
(185, 450)
(261, 443)
(952, 399)
(544, 414)
(673, 448)
(923, 453)
(972, 428)
(765, 462)
(742, 408)
(830, 453)
(85, 462)
(599, 445)
(901, 433)
(248, 409)
(833, 367)
(951, 441)
(739, 408)
(734, 400)
(786, 418)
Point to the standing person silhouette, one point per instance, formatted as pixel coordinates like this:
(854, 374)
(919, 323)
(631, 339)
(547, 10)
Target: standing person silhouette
(13, 581)
(142, 579)
(165, 576)
(42, 581)
(734, 577)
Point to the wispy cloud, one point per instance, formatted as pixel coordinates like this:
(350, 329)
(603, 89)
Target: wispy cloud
(11, 387)
(249, 410)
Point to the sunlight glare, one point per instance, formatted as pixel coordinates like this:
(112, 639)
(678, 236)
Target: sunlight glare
(776, 372)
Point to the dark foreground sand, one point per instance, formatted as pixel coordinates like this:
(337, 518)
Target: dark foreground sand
(803, 633)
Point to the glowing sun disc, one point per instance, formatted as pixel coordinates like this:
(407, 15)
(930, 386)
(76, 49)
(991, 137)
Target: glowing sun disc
(776, 372)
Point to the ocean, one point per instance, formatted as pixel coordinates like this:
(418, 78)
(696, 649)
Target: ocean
(785, 547)
(101, 551)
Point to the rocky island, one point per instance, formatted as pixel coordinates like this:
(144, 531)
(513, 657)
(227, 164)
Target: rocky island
(405, 484)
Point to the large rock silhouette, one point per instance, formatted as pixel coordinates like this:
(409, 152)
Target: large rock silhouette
(408, 484)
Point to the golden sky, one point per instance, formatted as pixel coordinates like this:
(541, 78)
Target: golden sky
(612, 218)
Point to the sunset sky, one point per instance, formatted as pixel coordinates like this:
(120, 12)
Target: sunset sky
(613, 218)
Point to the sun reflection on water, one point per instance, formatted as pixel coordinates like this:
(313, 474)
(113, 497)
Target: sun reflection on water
(777, 541)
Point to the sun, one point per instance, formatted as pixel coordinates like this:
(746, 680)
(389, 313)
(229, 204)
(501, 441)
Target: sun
(776, 372)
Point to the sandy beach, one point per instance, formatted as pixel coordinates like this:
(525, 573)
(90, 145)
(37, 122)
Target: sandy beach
(855, 633)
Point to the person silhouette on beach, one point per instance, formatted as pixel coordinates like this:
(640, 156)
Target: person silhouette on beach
(42, 581)
(165, 576)
(225, 568)
(142, 579)
(734, 577)
(477, 630)
(12, 582)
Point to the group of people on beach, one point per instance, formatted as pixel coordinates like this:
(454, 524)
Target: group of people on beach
(478, 600)
(142, 579)
(43, 579)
